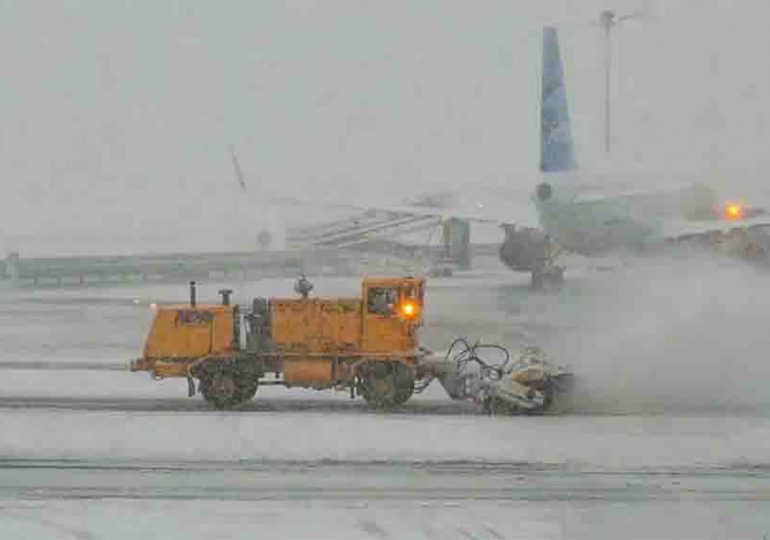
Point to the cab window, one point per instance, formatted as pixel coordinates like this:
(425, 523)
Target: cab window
(382, 301)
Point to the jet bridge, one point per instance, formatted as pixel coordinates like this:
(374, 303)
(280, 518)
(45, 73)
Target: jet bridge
(376, 229)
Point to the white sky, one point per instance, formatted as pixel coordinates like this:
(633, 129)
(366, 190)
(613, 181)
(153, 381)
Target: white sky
(116, 116)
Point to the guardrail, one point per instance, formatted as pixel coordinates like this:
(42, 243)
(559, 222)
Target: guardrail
(61, 271)
(182, 267)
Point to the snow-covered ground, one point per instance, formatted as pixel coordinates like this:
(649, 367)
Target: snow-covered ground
(628, 512)
(668, 439)
(331, 434)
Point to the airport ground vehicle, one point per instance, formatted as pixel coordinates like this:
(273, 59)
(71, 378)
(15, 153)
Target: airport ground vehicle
(367, 345)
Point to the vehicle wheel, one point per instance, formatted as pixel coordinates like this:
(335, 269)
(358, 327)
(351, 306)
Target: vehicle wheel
(404, 377)
(536, 280)
(220, 389)
(547, 279)
(247, 388)
(379, 385)
(556, 278)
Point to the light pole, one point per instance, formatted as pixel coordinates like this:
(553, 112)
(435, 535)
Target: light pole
(608, 20)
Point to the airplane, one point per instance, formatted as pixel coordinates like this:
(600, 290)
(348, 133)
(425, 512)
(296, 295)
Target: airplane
(577, 217)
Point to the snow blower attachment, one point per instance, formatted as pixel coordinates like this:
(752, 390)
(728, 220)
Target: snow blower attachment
(530, 384)
(366, 345)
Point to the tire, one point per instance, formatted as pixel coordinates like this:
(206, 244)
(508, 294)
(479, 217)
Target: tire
(556, 278)
(247, 388)
(379, 385)
(220, 389)
(404, 377)
(547, 279)
(536, 281)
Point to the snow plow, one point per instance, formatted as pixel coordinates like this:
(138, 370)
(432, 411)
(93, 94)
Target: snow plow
(367, 346)
(528, 384)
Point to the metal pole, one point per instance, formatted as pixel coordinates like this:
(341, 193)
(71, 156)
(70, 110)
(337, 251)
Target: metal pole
(608, 21)
(607, 70)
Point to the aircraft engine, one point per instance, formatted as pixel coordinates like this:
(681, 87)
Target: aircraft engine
(544, 192)
(524, 249)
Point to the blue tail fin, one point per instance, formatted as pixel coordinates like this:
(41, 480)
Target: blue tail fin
(555, 133)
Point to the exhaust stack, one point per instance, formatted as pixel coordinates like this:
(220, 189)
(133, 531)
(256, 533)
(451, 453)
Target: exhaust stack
(192, 294)
(225, 293)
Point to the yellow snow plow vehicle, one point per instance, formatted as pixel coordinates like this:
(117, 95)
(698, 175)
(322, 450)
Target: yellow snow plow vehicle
(366, 345)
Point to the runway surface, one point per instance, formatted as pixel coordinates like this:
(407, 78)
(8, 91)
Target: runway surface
(381, 480)
(669, 440)
(102, 499)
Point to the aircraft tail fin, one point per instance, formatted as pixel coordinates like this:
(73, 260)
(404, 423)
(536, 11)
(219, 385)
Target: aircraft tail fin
(556, 154)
